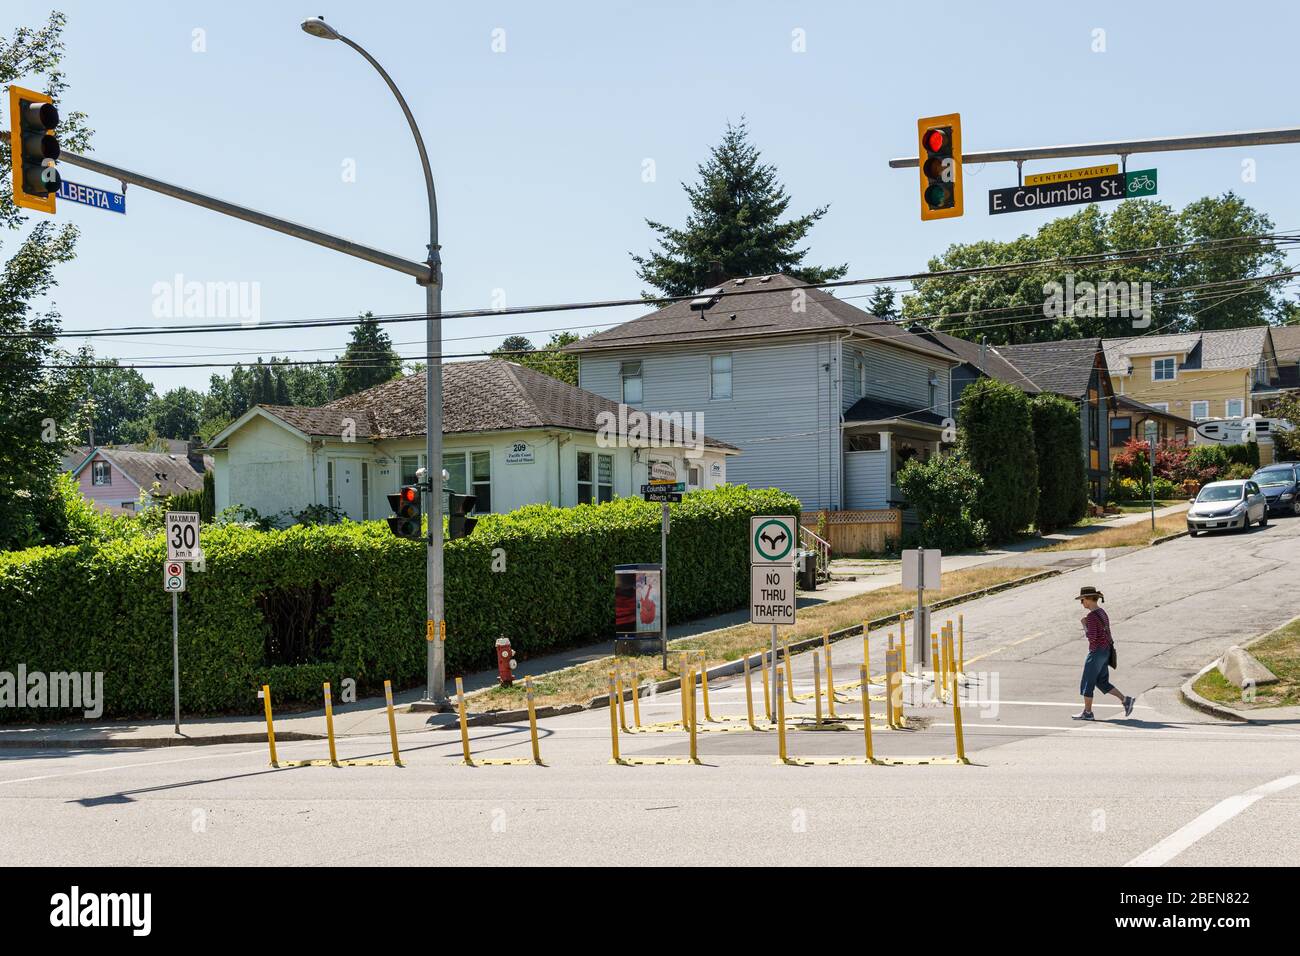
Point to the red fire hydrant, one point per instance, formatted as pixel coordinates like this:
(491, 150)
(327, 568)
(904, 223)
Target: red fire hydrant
(506, 662)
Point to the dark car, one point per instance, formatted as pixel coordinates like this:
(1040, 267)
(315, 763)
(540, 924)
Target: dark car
(1280, 483)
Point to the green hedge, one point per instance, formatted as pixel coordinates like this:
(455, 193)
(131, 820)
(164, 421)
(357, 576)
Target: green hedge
(350, 598)
(1062, 481)
(996, 434)
(945, 492)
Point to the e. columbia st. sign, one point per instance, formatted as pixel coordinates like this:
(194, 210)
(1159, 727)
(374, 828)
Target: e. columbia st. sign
(1072, 192)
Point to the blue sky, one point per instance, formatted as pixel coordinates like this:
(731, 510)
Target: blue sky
(538, 151)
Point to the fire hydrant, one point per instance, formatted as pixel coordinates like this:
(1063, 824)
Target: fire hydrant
(506, 662)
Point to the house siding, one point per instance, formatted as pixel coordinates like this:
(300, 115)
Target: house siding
(895, 375)
(784, 413)
(1188, 385)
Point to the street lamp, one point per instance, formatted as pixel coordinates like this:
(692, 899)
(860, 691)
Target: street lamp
(435, 690)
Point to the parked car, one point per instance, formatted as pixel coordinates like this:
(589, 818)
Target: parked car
(1280, 483)
(1227, 504)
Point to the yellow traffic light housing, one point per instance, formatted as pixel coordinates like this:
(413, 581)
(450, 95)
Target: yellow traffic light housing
(33, 148)
(939, 155)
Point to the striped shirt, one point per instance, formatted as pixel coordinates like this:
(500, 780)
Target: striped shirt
(1097, 628)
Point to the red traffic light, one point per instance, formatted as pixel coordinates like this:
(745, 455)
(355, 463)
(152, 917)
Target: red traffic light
(934, 140)
(409, 493)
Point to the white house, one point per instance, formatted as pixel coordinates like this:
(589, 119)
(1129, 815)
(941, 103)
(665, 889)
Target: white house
(512, 437)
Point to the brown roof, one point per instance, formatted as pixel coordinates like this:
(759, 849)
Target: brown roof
(988, 360)
(172, 473)
(1286, 342)
(492, 395)
(1063, 367)
(752, 306)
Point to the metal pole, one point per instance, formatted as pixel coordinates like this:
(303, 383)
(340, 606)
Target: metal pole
(435, 625)
(1166, 144)
(1152, 456)
(919, 624)
(663, 584)
(176, 663)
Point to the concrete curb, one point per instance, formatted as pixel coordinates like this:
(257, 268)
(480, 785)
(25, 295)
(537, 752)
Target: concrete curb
(504, 716)
(1197, 702)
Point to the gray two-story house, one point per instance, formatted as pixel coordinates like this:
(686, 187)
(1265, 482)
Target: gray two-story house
(825, 400)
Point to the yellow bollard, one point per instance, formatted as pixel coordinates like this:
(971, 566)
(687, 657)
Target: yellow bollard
(934, 661)
(894, 690)
(683, 688)
(270, 724)
(949, 661)
(636, 699)
(622, 713)
(789, 671)
(961, 644)
(695, 757)
(767, 701)
(866, 713)
(866, 648)
(468, 761)
(891, 658)
(613, 722)
(830, 676)
(704, 681)
(780, 721)
(329, 724)
(392, 722)
(532, 721)
(817, 686)
(956, 726)
(749, 695)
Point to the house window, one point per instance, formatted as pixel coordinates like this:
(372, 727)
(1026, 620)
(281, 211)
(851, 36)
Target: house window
(694, 475)
(329, 484)
(1200, 411)
(365, 491)
(720, 376)
(481, 475)
(867, 442)
(1234, 408)
(1164, 369)
(595, 478)
(1162, 406)
(1120, 431)
(631, 375)
(101, 473)
(409, 465)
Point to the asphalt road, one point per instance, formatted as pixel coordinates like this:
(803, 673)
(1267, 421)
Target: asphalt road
(1041, 789)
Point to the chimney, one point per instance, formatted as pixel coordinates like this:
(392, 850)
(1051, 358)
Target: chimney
(715, 276)
(193, 451)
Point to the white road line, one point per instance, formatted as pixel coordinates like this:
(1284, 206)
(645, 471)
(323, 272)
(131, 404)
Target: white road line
(127, 766)
(1120, 730)
(1208, 822)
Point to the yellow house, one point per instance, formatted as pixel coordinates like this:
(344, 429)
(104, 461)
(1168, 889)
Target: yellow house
(1227, 373)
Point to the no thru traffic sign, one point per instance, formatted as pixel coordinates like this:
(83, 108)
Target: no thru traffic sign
(771, 594)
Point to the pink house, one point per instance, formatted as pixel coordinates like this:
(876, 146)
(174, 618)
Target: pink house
(113, 478)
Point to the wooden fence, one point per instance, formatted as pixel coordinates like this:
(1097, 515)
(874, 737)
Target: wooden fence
(856, 532)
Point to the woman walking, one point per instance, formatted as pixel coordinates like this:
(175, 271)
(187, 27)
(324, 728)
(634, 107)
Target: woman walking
(1101, 649)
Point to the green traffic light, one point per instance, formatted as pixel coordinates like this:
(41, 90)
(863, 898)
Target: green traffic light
(937, 195)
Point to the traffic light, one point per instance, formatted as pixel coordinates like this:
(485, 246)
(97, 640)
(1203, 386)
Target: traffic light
(405, 522)
(940, 160)
(459, 523)
(34, 148)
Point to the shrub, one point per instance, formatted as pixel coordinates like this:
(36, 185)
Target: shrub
(296, 607)
(1237, 471)
(1126, 489)
(1243, 454)
(945, 492)
(1165, 488)
(1062, 481)
(997, 439)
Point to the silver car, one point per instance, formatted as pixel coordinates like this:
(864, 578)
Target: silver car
(1227, 504)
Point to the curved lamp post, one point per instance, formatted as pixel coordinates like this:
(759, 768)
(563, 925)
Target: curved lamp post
(434, 598)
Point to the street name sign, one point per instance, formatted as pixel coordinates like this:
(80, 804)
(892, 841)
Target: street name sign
(771, 539)
(1065, 175)
(182, 536)
(665, 497)
(92, 196)
(1072, 192)
(663, 486)
(771, 594)
(173, 576)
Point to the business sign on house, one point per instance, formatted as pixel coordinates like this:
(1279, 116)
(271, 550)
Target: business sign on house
(1073, 192)
(771, 594)
(519, 453)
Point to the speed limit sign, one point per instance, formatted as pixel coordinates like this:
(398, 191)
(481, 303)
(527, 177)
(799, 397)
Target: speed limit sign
(182, 536)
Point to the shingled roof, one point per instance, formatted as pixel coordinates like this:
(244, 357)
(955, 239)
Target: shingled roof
(172, 473)
(988, 360)
(1217, 350)
(486, 396)
(1063, 367)
(753, 306)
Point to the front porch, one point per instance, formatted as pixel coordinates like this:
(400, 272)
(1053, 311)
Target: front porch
(875, 450)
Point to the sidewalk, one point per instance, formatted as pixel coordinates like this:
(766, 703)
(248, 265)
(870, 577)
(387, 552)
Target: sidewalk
(369, 716)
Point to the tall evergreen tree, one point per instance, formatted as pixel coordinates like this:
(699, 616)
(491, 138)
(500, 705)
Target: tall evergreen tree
(369, 358)
(735, 221)
(882, 303)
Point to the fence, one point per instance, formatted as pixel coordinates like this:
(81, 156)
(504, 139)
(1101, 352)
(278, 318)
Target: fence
(857, 532)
